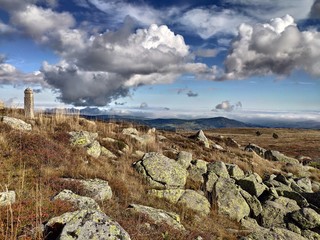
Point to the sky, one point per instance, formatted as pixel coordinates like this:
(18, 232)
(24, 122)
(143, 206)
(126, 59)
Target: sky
(242, 59)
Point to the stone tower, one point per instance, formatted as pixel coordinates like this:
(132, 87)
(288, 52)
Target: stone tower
(28, 104)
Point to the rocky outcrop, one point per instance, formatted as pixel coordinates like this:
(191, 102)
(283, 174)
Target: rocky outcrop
(234, 171)
(252, 185)
(7, 198)
(184, 158)
(271, 155)
(80, 202)
(84, 224)
(158, 216)
(16, 123)
(201, 137)
(189, 198)
(161, 171)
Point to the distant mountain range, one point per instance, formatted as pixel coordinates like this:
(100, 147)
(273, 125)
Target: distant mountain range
(173, 124)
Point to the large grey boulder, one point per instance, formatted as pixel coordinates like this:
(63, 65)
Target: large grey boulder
(253, 202)
(210, 180)
(184, 158)
(189, 198)
(252, 185)
(305, 184)
(80, 202)
(229, 200)
(7, 198)
(197, 169)
(234, 171)
(96, 188)
(219, 168)
(255, 148)
(162, 171)
(310, 235)
(201, 137)
(16, 123)
(277, 156)
(83, 225)
(158, 215)
(272, 234)
(274, 214)
(107, 153)
(306, 218)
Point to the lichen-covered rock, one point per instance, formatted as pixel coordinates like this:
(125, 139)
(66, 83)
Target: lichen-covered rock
(80, 202)
(96, 188)
(272, 234)
(184, 158)
(310, 235)
(229, 199)
(7, 198)
(234, 171)
(197, 169)
(306, 218)
(273, 215)
(219, 168)
(302, 202)
(158, 215)
(189, 198)
(143, 139)
(305, 184)
(162, 170)
(82, 138)
(253, 203)
(210, 179)
(171, 195)
(195, 201)
(130, 131)
(94, 149)
(16, 123)
(84, 224)
(251, 185)
(107, 153)
(288, 203)
(277, 156)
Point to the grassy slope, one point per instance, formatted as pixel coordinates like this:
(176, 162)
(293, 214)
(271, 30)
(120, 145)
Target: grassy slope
(33, 164)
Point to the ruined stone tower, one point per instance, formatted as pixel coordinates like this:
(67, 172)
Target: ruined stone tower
(28, 103)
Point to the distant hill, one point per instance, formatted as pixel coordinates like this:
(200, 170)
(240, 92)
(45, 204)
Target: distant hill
(173, 124)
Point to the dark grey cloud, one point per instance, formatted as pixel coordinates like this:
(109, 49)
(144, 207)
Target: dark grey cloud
(315, 10)
(166, 108)
(192, 94)
(120, 103)
(144, 105)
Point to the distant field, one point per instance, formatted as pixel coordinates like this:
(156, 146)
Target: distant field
(292, 142)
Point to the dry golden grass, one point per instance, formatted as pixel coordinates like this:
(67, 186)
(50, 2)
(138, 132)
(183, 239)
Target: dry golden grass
(33, 164)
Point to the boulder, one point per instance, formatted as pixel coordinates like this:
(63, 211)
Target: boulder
(189, 198)
(253, 202)
(7, 198)
(310, 235)
(107, 153)
(234, 171)
(279, 157)
(94, 149)
(143, 139)
(184, 158)
(130, 131)
(158, 215)
(306, 218)
(229, 200)
(302, 202)
(273, 215)
(162, 171)
(210, 179)
(255, 148)
(219, 168)
(197, 169)
(84, 224)
(96, 188)
(273, 233)
(217, 146)
(251, 185)
(76, 200)
(195, 201)
(201, 137)
(288, 203)
(16, 123)
(232, 143)
(305, 184)
(82, 138)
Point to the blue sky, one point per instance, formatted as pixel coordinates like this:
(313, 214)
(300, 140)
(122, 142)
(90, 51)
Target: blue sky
(243, 59)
